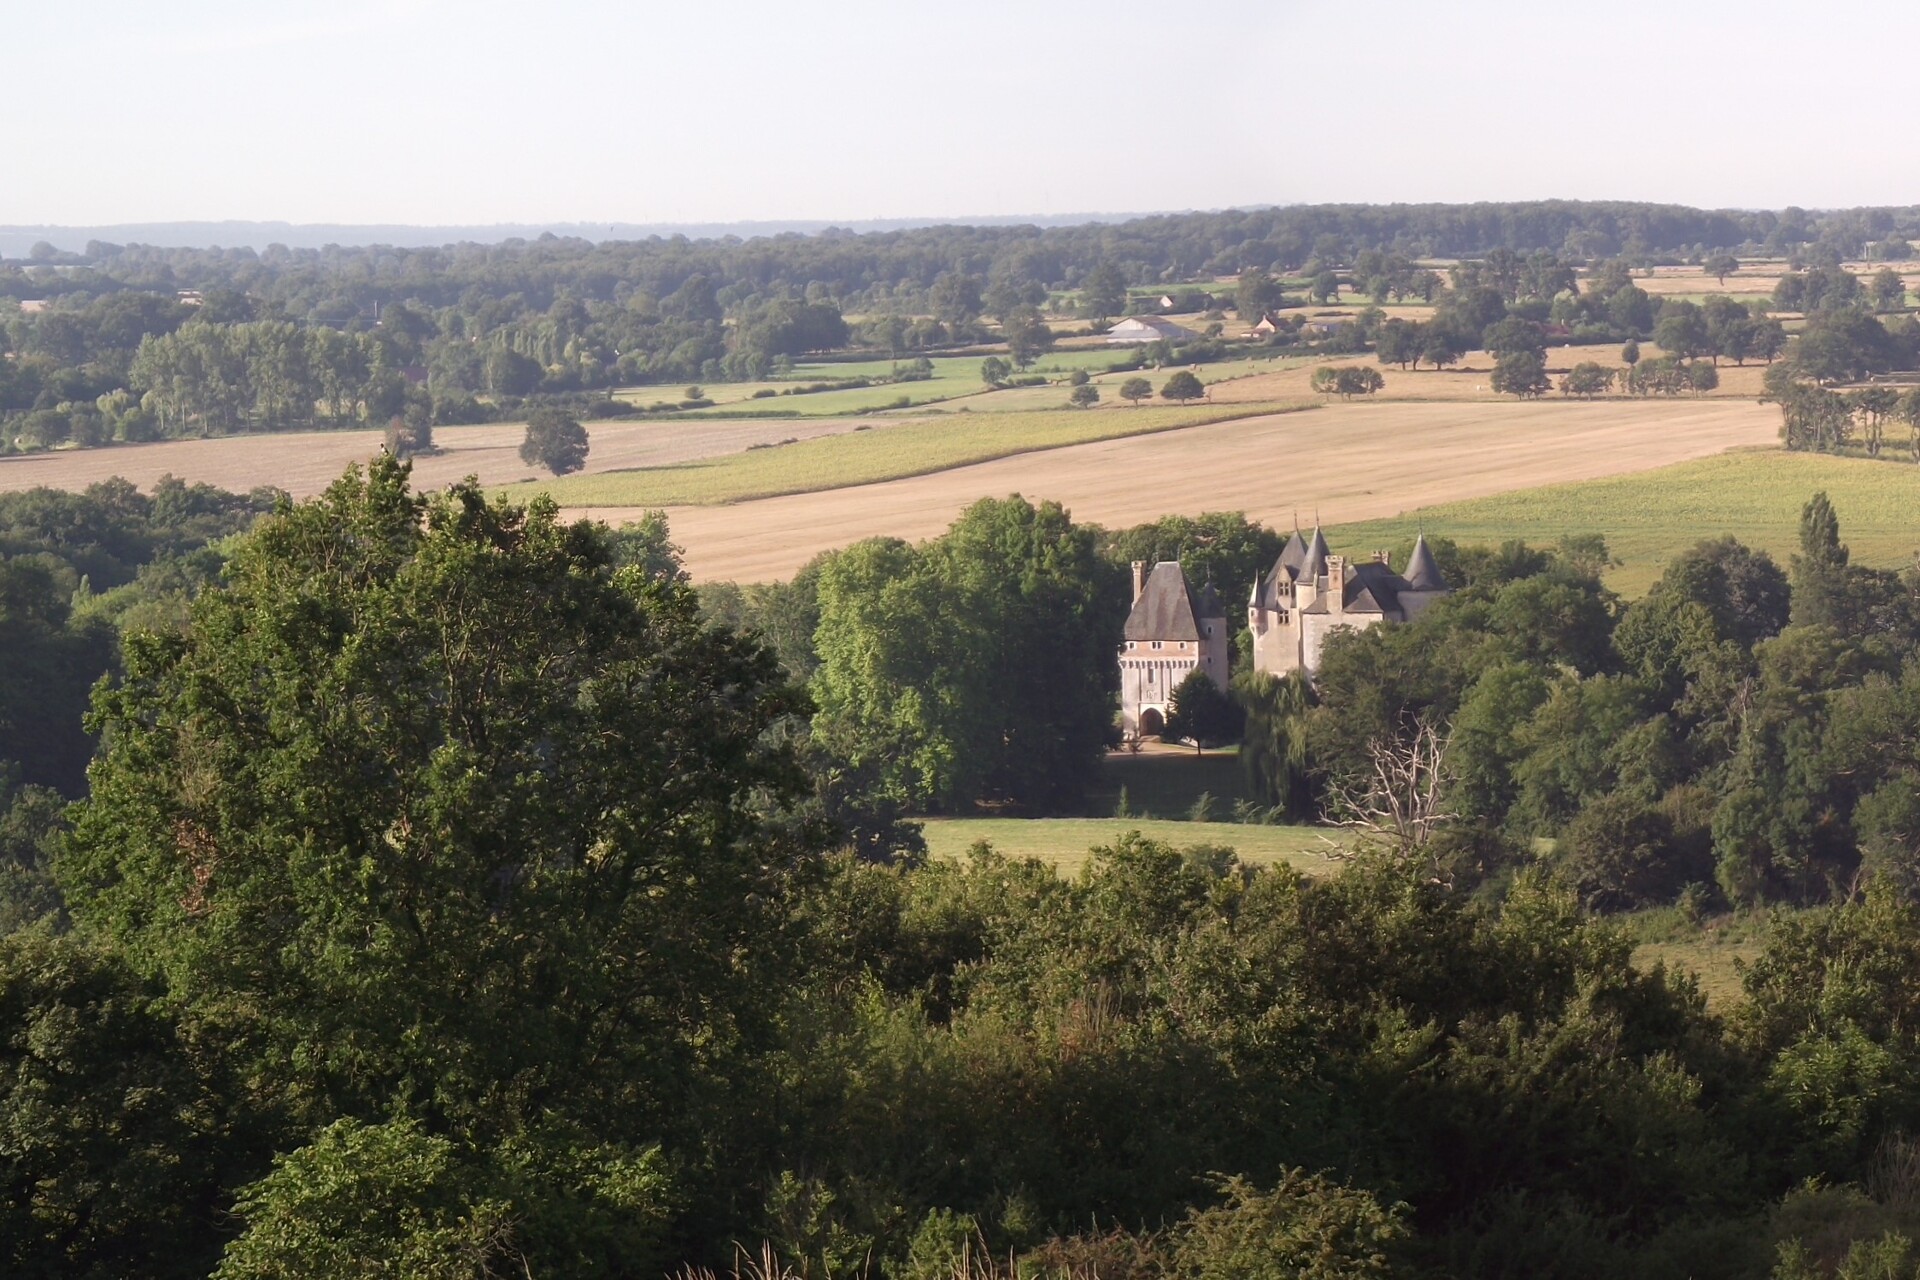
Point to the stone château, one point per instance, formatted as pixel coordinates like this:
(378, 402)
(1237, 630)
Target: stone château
(1310, 593)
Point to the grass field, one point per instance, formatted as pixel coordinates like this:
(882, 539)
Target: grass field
(1712, 950)
(1065, 842)
(953, 377)
(1756, 495)
(891, 450)
(1346, 462)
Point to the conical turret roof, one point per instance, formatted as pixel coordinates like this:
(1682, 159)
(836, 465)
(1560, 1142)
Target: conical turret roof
(1423, 571)
(1314, 562)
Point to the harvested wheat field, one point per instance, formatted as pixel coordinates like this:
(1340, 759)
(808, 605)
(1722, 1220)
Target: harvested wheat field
(1345, 462)
(304, 463)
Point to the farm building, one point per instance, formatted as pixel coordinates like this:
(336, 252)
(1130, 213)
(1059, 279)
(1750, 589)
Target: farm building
(1310, 594)
(1135, 330)
(1172, 631)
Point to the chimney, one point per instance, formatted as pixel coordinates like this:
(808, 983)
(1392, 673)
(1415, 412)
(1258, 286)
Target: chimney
(1336, 585)
(1139, 578)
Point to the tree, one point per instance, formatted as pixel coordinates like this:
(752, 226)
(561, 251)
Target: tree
(1442, 346)
(1720, 266)
(1820, 569)
(1347, 381)
(1325, 287)
(1888, 290)
(1630, 353)
(1027, 335)
(1513, 335)
(1398, 342)
(1256, 294)
(1682, 331)
(555, 440)
(955, 298)
(517, 812)
(1103, 292)
(1521, 373)
(1183, 386)
(1273, 749)
(994, 372)
(932, 671)
(1586, 380)
(1201, 712)
(1084, 396)
(509, 373)
(1136, 390)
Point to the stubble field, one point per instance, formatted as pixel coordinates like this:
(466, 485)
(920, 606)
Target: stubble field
(1345, 462)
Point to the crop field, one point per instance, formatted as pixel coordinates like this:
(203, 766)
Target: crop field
(953, 376)
(1067, 842)
(1346, 462)
(1648, 516)
(892, 449)
(305, 462)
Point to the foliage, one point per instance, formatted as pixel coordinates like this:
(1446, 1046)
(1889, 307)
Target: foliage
(1201, 712)
(1183, 386)
(463, 757)
(555, 440)
(933, 667)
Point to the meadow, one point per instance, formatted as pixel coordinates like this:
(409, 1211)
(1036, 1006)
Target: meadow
(1648, 516)
(1067, 843)
(892, 449)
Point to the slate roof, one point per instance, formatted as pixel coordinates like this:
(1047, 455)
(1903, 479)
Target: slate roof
(1423, 572)
(1168, 608)
(1371, 587)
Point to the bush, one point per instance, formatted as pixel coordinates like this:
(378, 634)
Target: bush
(1306, 1228)
(1619, 853)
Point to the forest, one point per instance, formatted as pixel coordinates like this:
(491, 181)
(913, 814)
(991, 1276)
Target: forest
(454, 891)
(133, 342)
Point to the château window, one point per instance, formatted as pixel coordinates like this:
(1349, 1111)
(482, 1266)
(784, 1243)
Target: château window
(1156, 644)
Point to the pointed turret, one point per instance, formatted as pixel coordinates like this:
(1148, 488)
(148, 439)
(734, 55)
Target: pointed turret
(1314, 562)
(1423, 571)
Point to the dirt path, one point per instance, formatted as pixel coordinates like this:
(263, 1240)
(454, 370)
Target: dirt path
(304, 463)
(1344, 462)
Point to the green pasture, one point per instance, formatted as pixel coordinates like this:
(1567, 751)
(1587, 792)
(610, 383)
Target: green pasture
(1067, 842)
(1712, 950)
(952, 376)
(1648, 517)
(890, 451)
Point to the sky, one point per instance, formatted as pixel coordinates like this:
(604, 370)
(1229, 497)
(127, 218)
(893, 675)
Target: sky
(481, 112)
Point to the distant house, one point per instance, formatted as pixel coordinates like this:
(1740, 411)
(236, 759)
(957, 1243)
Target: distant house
(1172, 631)
(1268, 326)
(1138, 330)
(32, 306)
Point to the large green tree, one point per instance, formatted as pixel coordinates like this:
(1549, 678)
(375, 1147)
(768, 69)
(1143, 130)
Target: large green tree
(979, 666)
(431, 810)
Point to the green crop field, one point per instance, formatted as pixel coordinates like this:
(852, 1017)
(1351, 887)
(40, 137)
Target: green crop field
(1066, 842)
(954, 378)
(888, 452)
(1647, 517)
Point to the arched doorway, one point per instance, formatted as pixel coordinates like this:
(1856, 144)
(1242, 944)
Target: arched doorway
(1152, 723)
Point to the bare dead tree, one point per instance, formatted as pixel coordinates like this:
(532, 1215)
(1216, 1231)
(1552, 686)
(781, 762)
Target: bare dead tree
(1400, 803)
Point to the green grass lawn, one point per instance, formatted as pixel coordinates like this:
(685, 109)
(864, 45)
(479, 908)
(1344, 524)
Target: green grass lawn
(1712, 950)
(1756, 495)
(888, 452)
(1066, 842)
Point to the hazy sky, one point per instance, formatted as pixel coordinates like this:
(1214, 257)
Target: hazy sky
(477, 111)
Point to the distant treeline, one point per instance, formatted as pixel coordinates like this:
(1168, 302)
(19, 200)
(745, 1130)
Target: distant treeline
(132, 342)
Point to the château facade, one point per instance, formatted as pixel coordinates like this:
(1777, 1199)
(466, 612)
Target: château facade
(1172, 631)
(1311, 593)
